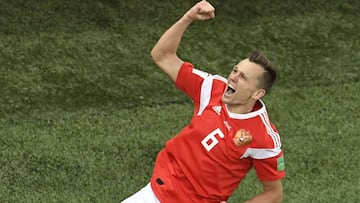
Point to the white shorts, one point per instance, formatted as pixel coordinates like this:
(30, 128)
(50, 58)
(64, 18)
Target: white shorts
(145, 195)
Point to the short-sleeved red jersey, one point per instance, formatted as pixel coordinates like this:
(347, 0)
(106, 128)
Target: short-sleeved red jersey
(202, 163)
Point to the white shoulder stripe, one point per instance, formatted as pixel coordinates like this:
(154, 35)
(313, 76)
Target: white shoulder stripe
(219, 77)
(261, 153)
(206, 87)
(274, 135)
(205, 93)
(200, 73)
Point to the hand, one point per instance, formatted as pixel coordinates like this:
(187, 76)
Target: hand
(222, 202)
(203, 10)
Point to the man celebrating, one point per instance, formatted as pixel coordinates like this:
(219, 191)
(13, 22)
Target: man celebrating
(230, 131)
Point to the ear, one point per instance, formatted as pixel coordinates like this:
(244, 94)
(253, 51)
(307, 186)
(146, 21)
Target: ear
(258, 94)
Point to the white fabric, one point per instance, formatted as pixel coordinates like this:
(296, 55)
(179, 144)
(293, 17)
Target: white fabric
(274, 135)
(145, 195)
(205, 94)
(261, 153)
(206, 88)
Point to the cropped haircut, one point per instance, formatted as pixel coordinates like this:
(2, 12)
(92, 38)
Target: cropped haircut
(269, 76)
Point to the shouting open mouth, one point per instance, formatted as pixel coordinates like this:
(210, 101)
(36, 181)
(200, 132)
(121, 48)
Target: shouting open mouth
(230, 89)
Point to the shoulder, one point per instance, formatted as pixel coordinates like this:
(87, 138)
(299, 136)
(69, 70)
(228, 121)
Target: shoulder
(220, 79)
(268, 135)
(218, 82)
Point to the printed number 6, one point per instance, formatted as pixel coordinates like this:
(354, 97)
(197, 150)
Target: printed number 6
(210, 140)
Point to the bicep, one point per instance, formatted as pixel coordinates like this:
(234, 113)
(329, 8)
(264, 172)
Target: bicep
(271, 168)
(272, 186)
(273, 190)
(170, 65)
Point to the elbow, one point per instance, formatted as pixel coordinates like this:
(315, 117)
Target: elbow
(278, 197)
(156, 55)
(275, 197)
(157, 58)
(153, 54)
(160, 57)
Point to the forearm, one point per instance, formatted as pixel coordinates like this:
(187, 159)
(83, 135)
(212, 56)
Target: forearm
(170, 40)
(164, 52)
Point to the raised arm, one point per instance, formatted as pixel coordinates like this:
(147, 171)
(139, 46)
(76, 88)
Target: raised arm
(164, 52)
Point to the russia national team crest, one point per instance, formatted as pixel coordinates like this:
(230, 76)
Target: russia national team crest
(242, 138)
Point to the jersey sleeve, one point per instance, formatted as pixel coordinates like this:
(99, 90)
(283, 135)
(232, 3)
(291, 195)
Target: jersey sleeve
(189, 80)
(270, 169)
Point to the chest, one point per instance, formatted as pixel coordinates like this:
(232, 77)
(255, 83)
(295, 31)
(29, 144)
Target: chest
(215, 133)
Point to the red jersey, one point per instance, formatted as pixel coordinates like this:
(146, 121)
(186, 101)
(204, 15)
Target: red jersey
(202, 163)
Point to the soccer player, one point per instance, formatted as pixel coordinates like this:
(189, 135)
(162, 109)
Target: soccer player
(229, 133)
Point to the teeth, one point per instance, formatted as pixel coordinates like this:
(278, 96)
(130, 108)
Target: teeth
(230, 89)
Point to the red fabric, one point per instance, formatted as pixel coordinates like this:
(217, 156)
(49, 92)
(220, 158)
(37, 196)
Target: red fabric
(209, 172)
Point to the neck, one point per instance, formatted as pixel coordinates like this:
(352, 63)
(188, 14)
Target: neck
(241, 108)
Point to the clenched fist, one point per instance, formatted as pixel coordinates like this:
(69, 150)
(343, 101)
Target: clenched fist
(203, 10)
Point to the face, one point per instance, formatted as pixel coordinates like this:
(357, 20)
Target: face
(242, 87)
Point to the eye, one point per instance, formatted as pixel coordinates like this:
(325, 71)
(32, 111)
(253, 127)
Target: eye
(243, 76)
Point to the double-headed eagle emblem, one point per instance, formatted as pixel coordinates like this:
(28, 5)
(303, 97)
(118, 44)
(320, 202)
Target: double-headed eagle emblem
(242, 138)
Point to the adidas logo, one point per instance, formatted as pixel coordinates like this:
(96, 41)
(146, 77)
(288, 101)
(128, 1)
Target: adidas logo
(217, 109)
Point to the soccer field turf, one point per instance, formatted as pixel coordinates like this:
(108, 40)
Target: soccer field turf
(84, 111)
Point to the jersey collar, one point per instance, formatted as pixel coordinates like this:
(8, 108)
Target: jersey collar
(252, 114)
